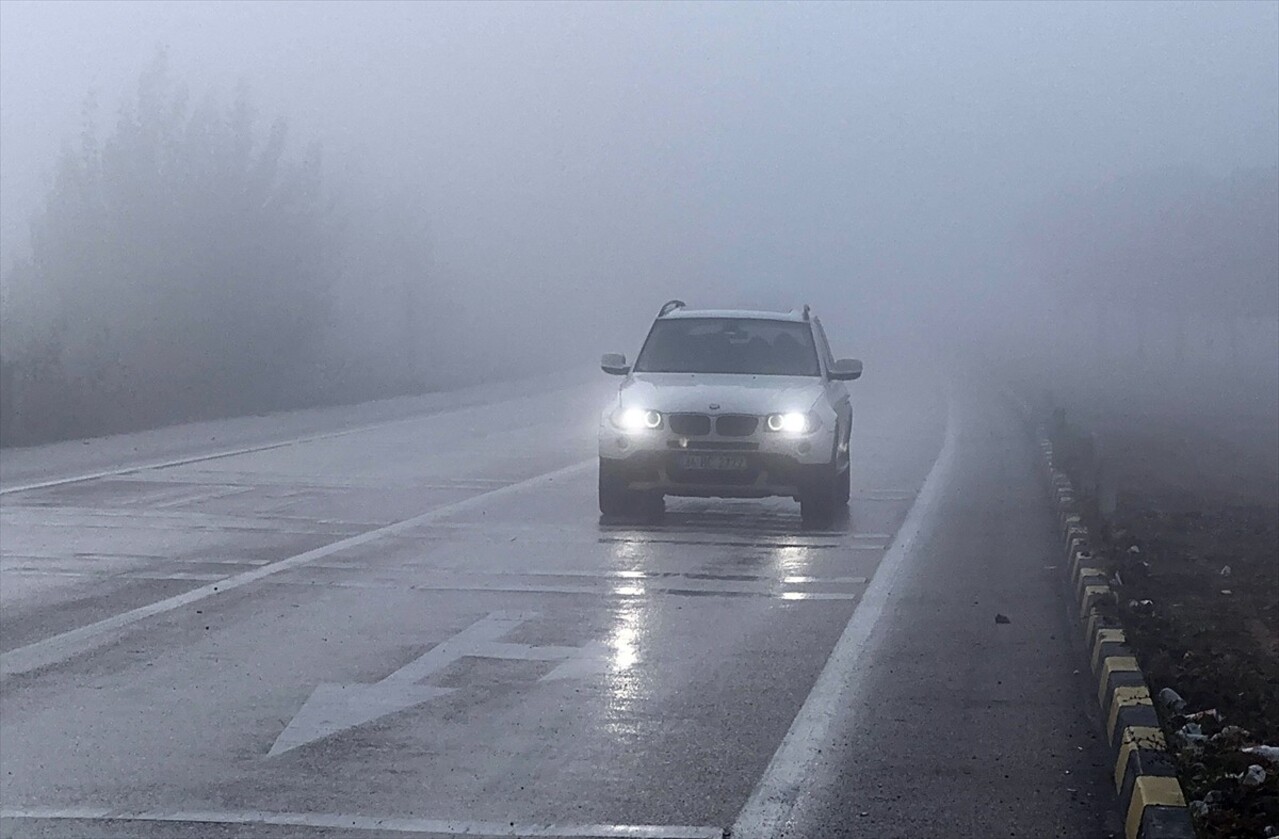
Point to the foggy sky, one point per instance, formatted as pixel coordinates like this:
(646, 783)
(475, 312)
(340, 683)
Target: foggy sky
(849, 155)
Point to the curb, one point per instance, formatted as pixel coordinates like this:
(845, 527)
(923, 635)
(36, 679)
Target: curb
(1150, 796)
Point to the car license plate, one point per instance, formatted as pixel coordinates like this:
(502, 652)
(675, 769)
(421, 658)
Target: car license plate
(715, 462)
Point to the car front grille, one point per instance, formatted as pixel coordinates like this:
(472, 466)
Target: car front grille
(690, 425)
(736, 425)
(699, 425)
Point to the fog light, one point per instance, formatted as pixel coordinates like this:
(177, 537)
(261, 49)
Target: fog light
(803, 448)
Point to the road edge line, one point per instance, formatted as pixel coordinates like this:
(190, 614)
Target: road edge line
(381, 824)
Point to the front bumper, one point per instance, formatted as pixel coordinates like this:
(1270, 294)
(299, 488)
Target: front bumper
(766, 475)
(815, 448)
(776, 464)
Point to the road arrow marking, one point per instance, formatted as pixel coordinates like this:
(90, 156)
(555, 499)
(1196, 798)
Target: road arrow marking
(587, 661)
(334, 708)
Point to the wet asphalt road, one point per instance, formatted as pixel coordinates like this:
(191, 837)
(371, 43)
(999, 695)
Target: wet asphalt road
(412, 620)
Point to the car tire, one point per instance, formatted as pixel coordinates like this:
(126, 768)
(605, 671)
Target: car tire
(615, 498)
(618, 501)
(651, 506)
(820, 500)
(845, 481)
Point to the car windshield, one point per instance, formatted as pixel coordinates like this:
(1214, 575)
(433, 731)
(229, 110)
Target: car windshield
(729, 345)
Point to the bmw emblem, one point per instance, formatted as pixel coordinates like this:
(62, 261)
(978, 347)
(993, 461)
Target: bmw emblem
(714, 406)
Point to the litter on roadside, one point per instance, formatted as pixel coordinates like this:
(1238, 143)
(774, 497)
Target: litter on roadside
(1254, 777)
(1231, 732)
(1270, 753)
(1172, 700)
(1189, 734)
(1210, 714)
(1142, 606)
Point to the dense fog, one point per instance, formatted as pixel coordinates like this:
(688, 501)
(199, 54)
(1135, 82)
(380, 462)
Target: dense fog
(212, 208)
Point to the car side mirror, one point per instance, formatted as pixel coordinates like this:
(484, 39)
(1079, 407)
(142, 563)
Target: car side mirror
(614, 363)
(845, 370)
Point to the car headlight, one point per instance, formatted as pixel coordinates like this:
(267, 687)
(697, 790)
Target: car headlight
(636, 419)
(792, 422)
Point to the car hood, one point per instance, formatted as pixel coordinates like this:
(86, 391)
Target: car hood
(734, 394)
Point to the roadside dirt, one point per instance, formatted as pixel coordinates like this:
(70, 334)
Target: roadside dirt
(1191, 526)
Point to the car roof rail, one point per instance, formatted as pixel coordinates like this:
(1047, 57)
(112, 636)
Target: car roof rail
(807, 310)
(670, 306)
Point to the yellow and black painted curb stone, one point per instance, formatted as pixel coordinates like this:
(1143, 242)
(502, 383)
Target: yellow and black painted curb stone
(1150, 796)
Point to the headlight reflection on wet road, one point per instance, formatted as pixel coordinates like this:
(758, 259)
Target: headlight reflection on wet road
(626, 635)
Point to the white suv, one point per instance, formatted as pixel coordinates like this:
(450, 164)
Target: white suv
(728, 404)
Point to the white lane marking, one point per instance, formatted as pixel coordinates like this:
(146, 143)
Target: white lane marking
(675, 583)
(32, 572)
(171, 575)
(884, 494)
(768, 810)
(411, 577)
(199, 497)
(334, 708)
(587, 573)
(114, 574)
(719, 542)
(161, 523)
(533, 588)
(269, 481)
(741, 532)
(59, 648)
(388, 824)
(182, 461)
(801, 580)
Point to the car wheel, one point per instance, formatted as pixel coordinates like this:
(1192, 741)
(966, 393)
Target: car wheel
(651, 506)
(820, 500)
(615, 499)
(845, 481)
